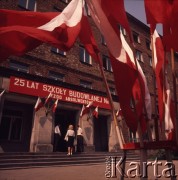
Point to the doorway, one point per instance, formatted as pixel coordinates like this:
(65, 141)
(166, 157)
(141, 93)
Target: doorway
(64, 118)
(100, 133)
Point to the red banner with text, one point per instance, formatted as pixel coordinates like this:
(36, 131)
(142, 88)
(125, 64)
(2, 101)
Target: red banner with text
(24, 86)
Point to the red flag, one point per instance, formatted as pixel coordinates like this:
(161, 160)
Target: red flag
(55, 106)
(170, 38)
(95, 112)
(115, 11)
(158, 11)
(38, 104)
(121, 63)
(87, 39)
(159, 56)
(24, 31)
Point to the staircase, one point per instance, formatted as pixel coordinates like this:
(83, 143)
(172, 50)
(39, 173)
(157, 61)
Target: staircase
(32, 160)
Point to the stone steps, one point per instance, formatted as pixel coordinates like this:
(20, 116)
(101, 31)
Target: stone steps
(29, 160)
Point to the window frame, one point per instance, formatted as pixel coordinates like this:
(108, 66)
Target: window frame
(58, 51)
(56, 76)
(12, 119)
(112, 90)
(26, 4)
(107, 63)
(140, 56)
(150, 61)
(19, 67)
(148, 44)
(136, 37)
(103, 42)
(65, 1)
(86, 84)
(122, 29)
(83, 54)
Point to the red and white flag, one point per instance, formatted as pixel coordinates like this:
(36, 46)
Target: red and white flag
(168, 120)
(159, 11)
(1, 94)
(95, 112)
(159, 56)
(122, 63)
(86, 109)
(27, 30)
(48, 99)
(81, 113)
(119, 113)
(55, 106)
(38, 104)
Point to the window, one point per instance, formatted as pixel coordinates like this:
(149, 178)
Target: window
(19, 66)
(56, 76)
(136, 37)
(112, 90)
(148, 44)
(150, 60)
(56, 50)
(65, 1)
(28, 4)
(139, 55)
(103, 40)
(84, 56)
(87, 10)
(107, 64)
(11, 125)
(122, 30)
(86, 84)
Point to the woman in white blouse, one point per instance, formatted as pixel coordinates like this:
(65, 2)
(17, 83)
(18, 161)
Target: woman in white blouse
(70, 135)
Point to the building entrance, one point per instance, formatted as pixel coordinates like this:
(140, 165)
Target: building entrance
(64, 118)
(101, 133)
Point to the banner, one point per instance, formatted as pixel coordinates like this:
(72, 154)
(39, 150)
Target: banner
(33, 88)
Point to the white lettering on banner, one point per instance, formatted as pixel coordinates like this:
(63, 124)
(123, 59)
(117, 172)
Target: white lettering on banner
(85, 96)
(106, 101)
(81, 101)
(54, 89)
(54, 96)
(34, 88)
(28, 84)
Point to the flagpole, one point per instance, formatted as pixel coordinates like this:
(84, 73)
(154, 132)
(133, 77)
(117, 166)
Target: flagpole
(175, 92)
(118, 131)
(154, 82)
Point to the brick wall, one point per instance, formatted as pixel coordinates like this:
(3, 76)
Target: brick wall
(75, 69)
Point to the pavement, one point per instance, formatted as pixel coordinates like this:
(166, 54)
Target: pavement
(79, 172)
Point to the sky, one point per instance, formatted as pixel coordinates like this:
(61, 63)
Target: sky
(136, 8)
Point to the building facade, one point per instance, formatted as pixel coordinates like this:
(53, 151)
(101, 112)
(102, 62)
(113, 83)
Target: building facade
(74, 78)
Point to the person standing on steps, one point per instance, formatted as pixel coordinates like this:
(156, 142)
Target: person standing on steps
(70, 135)
(57, 137)
(79, 139)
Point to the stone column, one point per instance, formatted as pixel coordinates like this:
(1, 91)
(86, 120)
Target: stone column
(88, 133)
(113, 142)
(42, 132)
